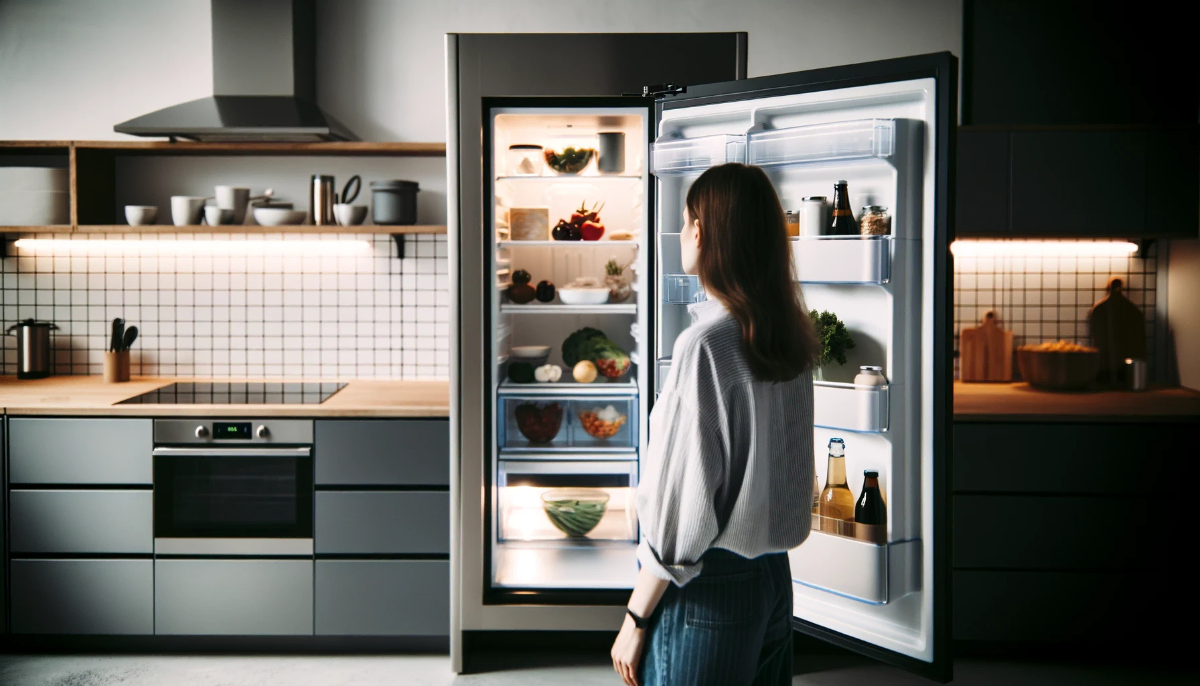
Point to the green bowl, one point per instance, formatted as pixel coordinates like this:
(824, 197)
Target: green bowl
(575, 511)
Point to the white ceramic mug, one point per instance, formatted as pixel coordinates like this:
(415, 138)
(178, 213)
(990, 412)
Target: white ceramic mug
(349, 215)
(140, 215)
(186, 210)
(216, 216)
(234, 198)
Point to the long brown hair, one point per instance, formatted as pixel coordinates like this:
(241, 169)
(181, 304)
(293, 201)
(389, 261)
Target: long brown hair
(745, 261)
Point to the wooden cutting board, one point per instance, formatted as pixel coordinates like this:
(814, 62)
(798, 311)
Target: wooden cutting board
(985, 352)
(1118, 331)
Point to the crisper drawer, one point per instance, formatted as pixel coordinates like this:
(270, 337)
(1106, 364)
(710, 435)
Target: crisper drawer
(849, 566)
(382, 522)
(573, 501)
(62, 521)
(383, 598)
(563, 423)
(79, 451)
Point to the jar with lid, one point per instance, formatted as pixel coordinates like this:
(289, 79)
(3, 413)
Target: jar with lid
(870, 376)
(525, 160)
(793, 222)
(875, 221)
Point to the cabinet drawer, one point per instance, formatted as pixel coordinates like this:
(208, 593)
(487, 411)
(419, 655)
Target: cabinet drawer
(385, 452)
(80, 451)
(233, 597)
(383, 598)
(376, 522)
(82, 596)
(82, 521)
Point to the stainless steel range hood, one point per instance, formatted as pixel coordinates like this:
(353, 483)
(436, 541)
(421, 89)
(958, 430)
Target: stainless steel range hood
(264, 81)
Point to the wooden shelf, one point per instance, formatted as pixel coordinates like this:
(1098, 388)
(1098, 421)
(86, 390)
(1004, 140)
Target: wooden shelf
(144, 147)
(57, 228)
(428, 229)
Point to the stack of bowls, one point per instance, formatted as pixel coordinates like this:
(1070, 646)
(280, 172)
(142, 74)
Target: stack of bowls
(34, 196)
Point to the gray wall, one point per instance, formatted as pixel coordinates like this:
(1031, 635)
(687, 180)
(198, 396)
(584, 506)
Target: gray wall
(73, 68)
(1183, 315)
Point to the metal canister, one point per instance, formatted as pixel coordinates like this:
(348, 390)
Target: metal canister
(1135, 374)
(321, 200)
(33, 348)
(815, 215)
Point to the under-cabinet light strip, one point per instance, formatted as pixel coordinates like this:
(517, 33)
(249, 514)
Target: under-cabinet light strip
(1042, 248)
(52, 246)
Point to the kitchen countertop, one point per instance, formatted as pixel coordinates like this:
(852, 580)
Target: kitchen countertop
(1018, 402)
(89, 395)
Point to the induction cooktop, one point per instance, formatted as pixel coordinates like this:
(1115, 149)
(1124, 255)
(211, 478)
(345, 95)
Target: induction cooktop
(239, 393)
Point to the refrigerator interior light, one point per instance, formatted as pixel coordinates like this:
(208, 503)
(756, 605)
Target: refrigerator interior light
(1041, 248)
(55, 246)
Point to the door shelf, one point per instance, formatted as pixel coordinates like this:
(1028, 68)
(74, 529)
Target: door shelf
(842, 259)
(539, 415)
(846, 140)
(682, 289)
(859, 570)
(849, 407)
(692, 155)
(513, 308)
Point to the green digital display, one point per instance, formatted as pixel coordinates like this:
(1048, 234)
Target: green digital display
(231, 430)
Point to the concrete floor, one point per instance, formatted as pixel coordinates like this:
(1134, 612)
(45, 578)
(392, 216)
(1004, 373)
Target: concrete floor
(556, 669)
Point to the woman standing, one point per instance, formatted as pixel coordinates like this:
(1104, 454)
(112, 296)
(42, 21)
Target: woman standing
(727, 481)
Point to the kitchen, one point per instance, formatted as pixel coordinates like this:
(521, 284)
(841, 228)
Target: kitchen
(375, 309)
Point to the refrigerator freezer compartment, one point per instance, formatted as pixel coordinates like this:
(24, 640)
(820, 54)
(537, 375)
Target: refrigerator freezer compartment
(682, 289)
(850, 407)
(534, 566)
(846, 140)
(842, 259)
(571, 502)
(866, 572)
(556, 422)
(691, 155)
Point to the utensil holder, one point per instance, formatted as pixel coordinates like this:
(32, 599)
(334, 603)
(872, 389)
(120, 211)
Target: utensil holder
(116, 366)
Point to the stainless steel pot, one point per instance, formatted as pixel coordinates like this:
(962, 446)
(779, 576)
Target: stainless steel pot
(33, 348)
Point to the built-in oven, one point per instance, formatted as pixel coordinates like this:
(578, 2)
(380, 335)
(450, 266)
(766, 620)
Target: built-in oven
(236, 487)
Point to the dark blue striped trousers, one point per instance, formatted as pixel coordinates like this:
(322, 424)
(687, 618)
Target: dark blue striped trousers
(730, 625)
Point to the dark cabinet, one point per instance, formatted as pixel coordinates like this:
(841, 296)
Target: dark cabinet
(982, 203)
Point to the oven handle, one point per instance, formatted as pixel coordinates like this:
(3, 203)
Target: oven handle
(232, 451)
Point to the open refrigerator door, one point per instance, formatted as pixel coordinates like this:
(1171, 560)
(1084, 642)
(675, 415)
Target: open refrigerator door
(881, 136)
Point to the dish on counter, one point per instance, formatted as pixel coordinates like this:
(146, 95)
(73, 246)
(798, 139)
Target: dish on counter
(575, 511)
(1058, 365)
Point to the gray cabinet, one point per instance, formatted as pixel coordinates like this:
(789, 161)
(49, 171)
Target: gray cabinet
(383, 452)
(383, 598)
(82, 596)
(79, 451)
(382, 522)
(59, 521)
(233, 597)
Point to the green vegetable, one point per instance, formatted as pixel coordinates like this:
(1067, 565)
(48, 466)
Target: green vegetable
(835, 339)
(578, 345)
(520, 372)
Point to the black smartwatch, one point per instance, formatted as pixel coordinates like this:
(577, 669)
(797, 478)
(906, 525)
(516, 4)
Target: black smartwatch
(639, 622)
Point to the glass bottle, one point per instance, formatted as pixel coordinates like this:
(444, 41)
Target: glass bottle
(843, 217)
(870, 508)
(837, 502)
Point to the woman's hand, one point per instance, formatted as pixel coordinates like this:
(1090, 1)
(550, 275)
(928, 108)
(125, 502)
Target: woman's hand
(627, 651)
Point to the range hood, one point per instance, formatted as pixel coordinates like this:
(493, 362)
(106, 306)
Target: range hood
(264, 81)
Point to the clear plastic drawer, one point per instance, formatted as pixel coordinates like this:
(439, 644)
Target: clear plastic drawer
(691, 155)
(846, 140)
(572, 502)
(599, 422)
(559, 423)
(682, 289)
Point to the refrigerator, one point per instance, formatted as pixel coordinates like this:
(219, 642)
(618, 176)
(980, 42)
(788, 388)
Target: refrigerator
(547, 528)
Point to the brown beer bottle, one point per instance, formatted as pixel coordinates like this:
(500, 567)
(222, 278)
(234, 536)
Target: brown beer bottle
(870, 508)
(843, 217)
(837, 502)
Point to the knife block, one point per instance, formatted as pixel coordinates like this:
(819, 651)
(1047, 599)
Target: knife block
(116, 366)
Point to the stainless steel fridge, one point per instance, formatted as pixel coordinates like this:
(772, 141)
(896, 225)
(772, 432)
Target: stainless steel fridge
(528, 451)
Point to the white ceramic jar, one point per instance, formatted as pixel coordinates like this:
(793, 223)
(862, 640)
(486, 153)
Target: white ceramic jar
(870, 376)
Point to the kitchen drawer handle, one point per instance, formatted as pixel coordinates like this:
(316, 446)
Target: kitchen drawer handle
(233, 451)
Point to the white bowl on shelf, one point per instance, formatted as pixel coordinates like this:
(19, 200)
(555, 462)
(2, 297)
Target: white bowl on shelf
(583, 296)
(529, 352)
(276, 216)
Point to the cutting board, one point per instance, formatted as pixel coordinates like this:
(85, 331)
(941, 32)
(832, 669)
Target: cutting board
(985, 352)
(1118, 331)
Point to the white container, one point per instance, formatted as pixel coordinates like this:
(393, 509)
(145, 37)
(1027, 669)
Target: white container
(842, 259)
(870, 376)
(850, 407)
(814, 211)
(186, 210)
(34, 208)
(869, 573)
(278, 216)
(525, 160)
(582, 296)
(141, 215)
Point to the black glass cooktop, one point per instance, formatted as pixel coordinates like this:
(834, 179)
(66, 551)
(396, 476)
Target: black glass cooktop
(239, 393)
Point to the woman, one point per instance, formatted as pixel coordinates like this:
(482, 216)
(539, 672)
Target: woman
(727, 479)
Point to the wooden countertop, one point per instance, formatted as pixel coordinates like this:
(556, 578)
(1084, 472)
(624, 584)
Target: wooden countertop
(1018, 402)
(89, 395)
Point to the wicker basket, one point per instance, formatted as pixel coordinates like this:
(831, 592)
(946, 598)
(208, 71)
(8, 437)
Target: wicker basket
(1057, 370)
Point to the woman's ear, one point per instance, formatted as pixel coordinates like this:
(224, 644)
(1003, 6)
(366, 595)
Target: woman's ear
(698, 232)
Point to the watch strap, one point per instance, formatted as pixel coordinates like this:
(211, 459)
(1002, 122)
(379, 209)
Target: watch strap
(638, 621)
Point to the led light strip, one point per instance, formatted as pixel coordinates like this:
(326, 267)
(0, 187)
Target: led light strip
(1041, 248)
(53, 246)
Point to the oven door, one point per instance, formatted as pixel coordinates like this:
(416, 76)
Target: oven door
(233, 501)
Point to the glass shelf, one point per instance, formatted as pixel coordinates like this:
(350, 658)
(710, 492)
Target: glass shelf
(842, 259)
(626, 385)
(570, 177)
(568, 244)
(846, 140)
(513, 308)
(849, 407)
(690, 155)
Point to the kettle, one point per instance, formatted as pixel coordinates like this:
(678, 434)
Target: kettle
(33, 348)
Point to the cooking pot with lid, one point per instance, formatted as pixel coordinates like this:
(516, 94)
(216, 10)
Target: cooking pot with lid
(33, 348)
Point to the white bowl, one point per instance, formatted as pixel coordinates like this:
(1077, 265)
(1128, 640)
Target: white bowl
(141, 215)
(273, 216)
(583, 296)
(529, 352)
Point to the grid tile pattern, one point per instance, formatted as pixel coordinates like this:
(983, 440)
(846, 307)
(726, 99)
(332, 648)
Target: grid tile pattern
(1048, 298)
(366, 315)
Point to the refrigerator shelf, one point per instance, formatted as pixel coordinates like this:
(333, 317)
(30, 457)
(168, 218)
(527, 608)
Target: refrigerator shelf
(846, 140)
(567, 244)
(540, 411)
(569, 178)
(849, 407)
(626, 385)
(842, 259)
(621, 308)
(692, 155)
(868, 572)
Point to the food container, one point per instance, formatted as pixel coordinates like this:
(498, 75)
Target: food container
(601, 422)
(870, 376)
(815, 211)
(793, 223)
(875, 221)
(583, 292)
(525, 160)
(394, 202)
(1058, 370)
(575, 511)
(570, 154)
(612, 153)
(529, 223)
(539, 421)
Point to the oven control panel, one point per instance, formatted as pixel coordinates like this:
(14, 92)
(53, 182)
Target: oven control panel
(232, 431)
